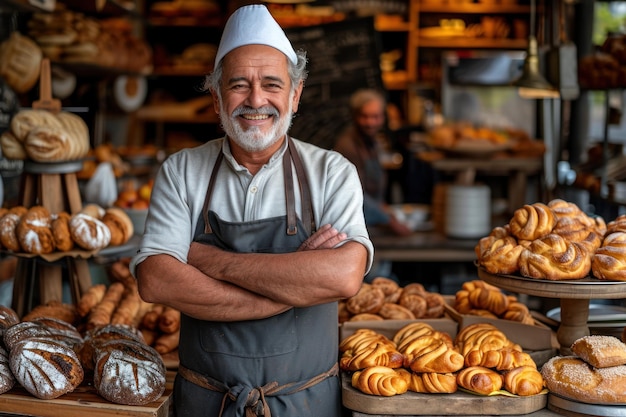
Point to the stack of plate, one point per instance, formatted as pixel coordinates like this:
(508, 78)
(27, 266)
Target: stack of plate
(468, 211)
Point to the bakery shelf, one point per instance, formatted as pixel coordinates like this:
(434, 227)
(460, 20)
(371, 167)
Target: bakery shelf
(473, 43)
(186, 21)
(475, 8)
(104, 7)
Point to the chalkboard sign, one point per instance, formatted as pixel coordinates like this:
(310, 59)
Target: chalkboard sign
(343, 57)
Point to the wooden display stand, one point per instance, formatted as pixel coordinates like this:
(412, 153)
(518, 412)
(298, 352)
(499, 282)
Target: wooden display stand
(55, 187)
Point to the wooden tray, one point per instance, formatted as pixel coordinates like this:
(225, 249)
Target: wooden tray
(458, 403)
(84, 401)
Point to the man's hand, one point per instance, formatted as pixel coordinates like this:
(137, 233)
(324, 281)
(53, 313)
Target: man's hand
(326, 237)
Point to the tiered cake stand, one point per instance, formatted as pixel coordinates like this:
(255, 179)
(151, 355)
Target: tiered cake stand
(574, 296)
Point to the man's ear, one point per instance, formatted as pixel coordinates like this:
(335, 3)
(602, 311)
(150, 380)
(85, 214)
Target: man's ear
(296, 96)
(216, 102)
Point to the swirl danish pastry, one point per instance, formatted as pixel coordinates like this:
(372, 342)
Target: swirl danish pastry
(532, 221)
(555, 258)
(609, 260)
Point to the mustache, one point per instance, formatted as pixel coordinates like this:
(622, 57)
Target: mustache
(241, 110)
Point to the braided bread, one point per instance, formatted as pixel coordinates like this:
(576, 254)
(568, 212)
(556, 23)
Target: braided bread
(617, 225)
(433, 383)
(499, 255)
(609, 260)
(500, 360)
(483, 336)
(479, 379)
(493, 300)
(532, 221)
(555, 258)
(431, 354)
(414, 329)
(379, 354)
(518, 312)
(381, 380)
(523, 381)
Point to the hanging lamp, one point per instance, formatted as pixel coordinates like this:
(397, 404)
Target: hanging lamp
(532, 84)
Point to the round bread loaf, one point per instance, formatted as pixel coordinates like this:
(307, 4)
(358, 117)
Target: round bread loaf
(573, 378)
(60, 226)
(34, 232)
(93, 210)
(48, 144)
(12, 148)
(129, 372)
(61, 331)
(120, 225)
(88, 232)
(28, 119)
(45, 368)
(100, 335)
(8, 233)
(7, 380)
(79, 134)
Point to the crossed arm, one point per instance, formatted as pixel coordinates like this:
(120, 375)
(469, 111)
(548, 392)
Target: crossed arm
(223, 286)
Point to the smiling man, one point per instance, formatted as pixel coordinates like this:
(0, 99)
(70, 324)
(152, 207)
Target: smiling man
(254, 237)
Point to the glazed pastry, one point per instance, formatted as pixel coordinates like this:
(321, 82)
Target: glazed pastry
(433, 383)
(500, 360)
(479, 379)
(379, 354)
(392, 311)
(363, 338)
(523, 381)
(434, 356)
(482, 336)
(499, 255)
(555, 258)
(381, 380)
(532, 221)
(609, 260)
(369, 299)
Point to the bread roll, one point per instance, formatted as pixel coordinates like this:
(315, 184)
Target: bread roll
(555, 258)
(78, 131)
(379, 354)
(532, 221)
(523, 381)
(369, 299)
(129, 372)
(34, 231)
(60, 226)
(600, 351)
(479, 379)
(8, 232)
(433, 383)
(46, 368)
(120, 225)
(88, 232)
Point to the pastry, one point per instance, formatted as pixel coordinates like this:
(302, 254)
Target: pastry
(479, 379)
(365, 317)
(392, 311)
(34, 232)
(431, 354)
(523, 381)
(47, 144)
(363, 338)
(555, 258)
(369, 299)
(532, 221)
(499, 359)
(8, 235)
(12, 148)
(26, 120)
(433, 383)
(499, 255)
(88, 232)
(379, 354)
(609, 260)
(381, 380)
(600, 351)
(415, 303)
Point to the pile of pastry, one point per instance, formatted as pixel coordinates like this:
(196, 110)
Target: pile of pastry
(480, 359)
(479, 298)
(36, 230)
(386, 299)
(43, 136)
(594, 373)
(49, 357)
(556, 241)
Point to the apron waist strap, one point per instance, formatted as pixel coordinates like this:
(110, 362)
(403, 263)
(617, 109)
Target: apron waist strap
(255, 404)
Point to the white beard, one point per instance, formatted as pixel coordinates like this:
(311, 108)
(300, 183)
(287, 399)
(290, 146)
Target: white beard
(253, 139)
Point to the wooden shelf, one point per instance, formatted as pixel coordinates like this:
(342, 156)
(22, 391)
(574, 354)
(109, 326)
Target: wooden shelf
(187, 21)
(473, 43)
(474, 8)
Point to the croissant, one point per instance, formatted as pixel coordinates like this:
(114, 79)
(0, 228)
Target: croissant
(483, 336)
(532, 221)
(375, 355)
(500, 360)
(499, 255)
(487, 299)
(555, 258)
(417, 328)
(433, 383)
(438, 356)
(523, 380)
(518, 312)
(381, 380)
(479, 379)
(609, 260)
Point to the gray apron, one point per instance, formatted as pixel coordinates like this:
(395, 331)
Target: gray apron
(281, 366)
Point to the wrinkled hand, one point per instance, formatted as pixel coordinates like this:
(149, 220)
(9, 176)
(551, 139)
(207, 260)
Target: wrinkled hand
(326, 237)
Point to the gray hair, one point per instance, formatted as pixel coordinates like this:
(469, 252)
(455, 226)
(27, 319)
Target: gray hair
(297, 73)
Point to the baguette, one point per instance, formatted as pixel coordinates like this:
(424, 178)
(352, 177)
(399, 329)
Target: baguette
(90, 299)
(101, 314)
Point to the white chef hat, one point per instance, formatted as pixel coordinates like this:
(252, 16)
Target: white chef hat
(250, 25)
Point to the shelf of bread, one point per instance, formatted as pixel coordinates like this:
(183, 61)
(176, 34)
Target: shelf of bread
(474, 8)
(447, 40)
